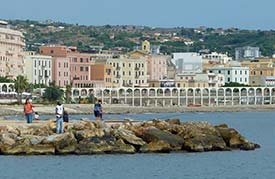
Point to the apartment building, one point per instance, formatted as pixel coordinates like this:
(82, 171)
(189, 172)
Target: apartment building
(129, 72)
(60, 63)
(157, 67)
(262, 71)
(236, 74)
(11, 51)
(38, 68)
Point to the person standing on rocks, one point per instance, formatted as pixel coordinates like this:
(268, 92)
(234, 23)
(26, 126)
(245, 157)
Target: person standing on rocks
(28, 110)
(59, 111)
(98, 110)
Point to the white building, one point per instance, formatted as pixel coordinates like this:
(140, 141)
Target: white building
(216, 58)
(244, 53)
(187, 62)
(216, 80)
(38, 68)
(232, 74)
(11, 51)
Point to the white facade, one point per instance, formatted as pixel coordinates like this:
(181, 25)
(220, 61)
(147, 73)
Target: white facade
(11, 52)
(216, 80)
(232, 74)
(187, 62)
(247, 53)
(129, 72)
(217, 57)
(38, 69)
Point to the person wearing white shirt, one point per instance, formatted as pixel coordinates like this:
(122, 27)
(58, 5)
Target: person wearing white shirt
(59, 110)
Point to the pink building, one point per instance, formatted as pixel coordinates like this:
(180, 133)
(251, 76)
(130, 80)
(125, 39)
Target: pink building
(80, 68)
(157, 67)
(60, 63)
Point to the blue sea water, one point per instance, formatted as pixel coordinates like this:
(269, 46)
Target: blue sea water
(258, 127)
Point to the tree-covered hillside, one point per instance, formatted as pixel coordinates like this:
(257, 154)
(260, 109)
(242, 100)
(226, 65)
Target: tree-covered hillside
(170, 40)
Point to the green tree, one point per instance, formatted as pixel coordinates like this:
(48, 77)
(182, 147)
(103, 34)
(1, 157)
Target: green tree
(5, 80)
(234, 84)
(20, 85)
(53, 93)
(68, 93)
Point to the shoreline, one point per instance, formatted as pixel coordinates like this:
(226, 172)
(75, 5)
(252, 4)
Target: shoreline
(78, 109)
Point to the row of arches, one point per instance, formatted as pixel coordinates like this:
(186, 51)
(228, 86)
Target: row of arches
(181, 96)
(7, 87)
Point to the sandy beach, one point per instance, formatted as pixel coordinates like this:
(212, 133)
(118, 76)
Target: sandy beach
(121, 109)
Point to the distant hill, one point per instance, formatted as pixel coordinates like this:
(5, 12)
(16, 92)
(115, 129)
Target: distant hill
(170, 39)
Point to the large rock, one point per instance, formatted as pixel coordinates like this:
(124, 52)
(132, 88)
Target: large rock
(96, 145)
(30, 145)
(87, 133)
(64, 143)
(128, 136)
(152, 134)
(156, 147)
(201, 136)
(234, 140)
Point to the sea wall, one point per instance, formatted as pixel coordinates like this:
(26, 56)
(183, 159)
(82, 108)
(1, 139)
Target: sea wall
(96, 137)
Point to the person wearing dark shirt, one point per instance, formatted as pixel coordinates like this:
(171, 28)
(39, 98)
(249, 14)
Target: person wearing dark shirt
(98, 110)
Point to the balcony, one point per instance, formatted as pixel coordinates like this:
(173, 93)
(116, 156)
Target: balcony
(136, 68)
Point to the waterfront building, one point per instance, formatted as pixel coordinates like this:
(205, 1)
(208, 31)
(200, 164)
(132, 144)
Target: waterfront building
(157, 67)
(80, 69)
(60, 63)
(11, 51)
(236, 74)
(215, 57)
(101, 74)
(187, 62)
(129, 71)
(38, 68)
(247, 53)
(261, 71)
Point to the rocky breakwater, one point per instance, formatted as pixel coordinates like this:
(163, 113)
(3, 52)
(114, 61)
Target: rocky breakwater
(93, 137)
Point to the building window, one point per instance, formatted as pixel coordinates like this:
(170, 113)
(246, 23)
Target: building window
(245, 72)
(123, 64)
(228, 72)
(81, 68)
(241, 80)
(129, 64)
(87, 68)
(228, 79)
(219, 71)
(235, 72)
(59, 65)
(245, 79)
(34, 63)
(261, 72)
(241, 72)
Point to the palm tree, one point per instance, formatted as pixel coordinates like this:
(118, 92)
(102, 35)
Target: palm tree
(20, 85)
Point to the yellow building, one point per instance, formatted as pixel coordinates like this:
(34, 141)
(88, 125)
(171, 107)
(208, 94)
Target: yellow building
(259, 69)
(129, 72)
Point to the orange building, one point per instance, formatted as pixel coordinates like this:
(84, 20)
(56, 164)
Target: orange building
(102, 72)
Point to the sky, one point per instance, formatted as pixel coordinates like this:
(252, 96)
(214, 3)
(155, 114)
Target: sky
(244, 14)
